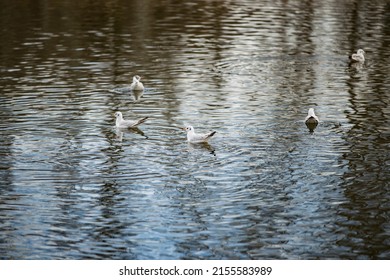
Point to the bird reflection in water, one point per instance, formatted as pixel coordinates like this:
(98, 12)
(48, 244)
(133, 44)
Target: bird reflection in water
(137, 94)
(204, 146)
(311, 120)
(311, 125)
(119, 132)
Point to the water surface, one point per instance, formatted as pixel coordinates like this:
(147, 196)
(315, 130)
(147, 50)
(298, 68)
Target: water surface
(74, 187)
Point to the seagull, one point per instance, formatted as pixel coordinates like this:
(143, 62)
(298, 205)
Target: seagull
(358, 56)
(121, 123)
(311, 117)
(195, 137)
(136, 86)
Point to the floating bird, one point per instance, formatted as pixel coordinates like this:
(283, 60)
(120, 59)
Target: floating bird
(311, 117)
(121, 123)
(135, 87)
(358, 56)
(197, 138)
(311, 120)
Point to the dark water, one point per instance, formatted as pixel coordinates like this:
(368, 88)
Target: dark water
(73, 187)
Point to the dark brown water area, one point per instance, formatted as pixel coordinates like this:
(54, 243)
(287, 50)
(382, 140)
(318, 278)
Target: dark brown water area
(72, 186)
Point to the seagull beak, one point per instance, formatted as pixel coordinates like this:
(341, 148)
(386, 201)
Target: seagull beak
(183, 128)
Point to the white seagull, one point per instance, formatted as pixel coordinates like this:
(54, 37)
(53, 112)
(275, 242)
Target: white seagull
(137, 85)
(358, 56)
(311, 117)
(197, 137)
(121, 123)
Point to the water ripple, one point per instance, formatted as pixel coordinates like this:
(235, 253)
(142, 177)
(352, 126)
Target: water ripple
(265, 187)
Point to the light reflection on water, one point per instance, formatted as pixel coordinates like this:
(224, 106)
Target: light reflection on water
(75, 187)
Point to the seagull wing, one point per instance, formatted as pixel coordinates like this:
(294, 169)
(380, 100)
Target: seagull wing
(137, 122)
(202, 137)
(357, 57)
(131, 123)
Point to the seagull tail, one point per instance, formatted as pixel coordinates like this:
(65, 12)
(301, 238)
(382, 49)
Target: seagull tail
(140, 121)
(211, 134)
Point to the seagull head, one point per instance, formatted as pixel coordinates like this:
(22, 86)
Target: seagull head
(188, 128)
(360, 51)
(311, 112)
(118, 114)
(136, 78)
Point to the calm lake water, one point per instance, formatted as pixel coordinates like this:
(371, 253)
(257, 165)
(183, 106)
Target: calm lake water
(265, 187)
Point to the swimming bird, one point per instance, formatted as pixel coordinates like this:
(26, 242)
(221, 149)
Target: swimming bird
(311, 120)
(311, 117)
(197, 137)
(121, 123)
(135, 87)
(358, 56)
(137, 84)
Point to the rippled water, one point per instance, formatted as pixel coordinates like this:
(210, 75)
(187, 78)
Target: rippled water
(74, 187)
